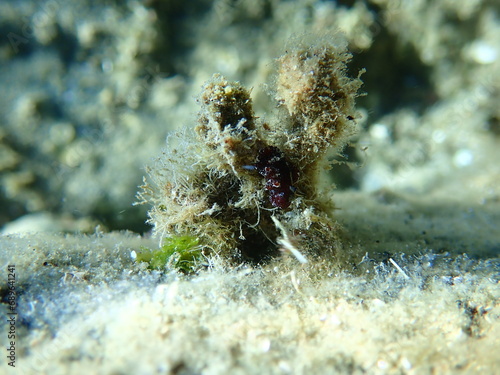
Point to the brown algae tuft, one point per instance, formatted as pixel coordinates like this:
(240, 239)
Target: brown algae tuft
(240, 185)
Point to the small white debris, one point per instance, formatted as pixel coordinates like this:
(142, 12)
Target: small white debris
(438, 136)
(482, 52)
(378, 302)
(265, 345)
(287, 243)
(379, 131)
(335, 320)
(383, 365)
(398, 268)
(284, 367)
(463, 158)
(406, 363)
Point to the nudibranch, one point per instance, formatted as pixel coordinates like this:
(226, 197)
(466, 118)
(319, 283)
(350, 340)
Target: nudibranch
(279, 173)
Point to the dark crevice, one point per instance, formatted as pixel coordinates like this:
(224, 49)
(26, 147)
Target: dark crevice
(66, 45)
(175, 20)
(19, 42)
(257, 247)
(403, 80)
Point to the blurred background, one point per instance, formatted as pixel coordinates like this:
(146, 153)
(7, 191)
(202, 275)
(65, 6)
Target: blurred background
(90, 90)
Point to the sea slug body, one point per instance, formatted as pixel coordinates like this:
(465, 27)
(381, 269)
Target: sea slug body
(279, 173)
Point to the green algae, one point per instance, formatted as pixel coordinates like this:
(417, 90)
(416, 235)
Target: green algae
(181, 252)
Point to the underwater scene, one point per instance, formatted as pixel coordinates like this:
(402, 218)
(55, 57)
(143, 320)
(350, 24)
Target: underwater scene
(250, 187)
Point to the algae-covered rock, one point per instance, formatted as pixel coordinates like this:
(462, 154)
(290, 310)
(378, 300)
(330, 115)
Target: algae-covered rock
(210, 185)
